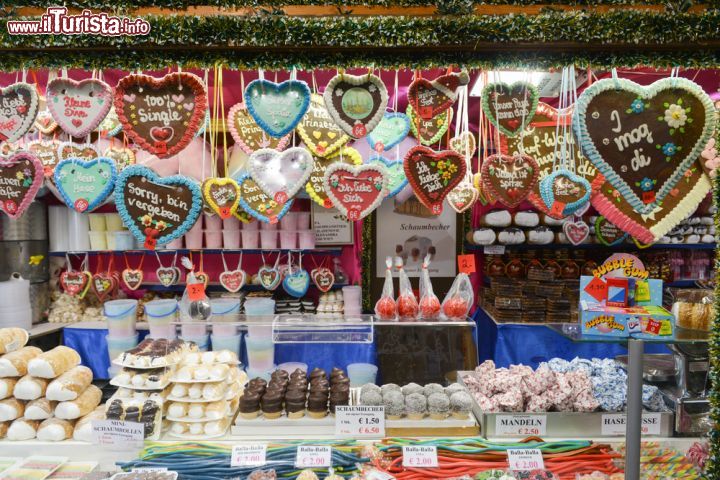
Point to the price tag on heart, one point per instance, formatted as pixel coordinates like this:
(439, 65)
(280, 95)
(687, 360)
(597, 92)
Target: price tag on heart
(196, 291)
(420, 457)
(359, 421)
(249, 455)
(557, 209)
(311, 456)
(525, 459)
(466, 263)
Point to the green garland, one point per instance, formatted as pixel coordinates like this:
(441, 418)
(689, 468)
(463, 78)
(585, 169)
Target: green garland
(367, 254)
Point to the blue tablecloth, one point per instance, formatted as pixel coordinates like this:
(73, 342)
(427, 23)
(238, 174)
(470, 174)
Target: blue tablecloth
(512, 344)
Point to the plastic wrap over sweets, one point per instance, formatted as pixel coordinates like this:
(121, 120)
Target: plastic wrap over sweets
(385, 307)
(194, 303)
(429, 302)
(459, 298)
(407, 304)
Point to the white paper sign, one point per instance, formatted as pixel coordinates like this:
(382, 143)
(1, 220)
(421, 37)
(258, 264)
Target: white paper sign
(494, 249)
(149, 470)
(117, 433)
(313, 456)
(420, 457)
(613, 424)
(359, 421)
(520, 425)
(525, 459)
(250, 455)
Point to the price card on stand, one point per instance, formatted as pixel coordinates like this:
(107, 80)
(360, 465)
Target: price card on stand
(249, 455)
(525, 459)
(359, 421)
(520, 425)
(494, 249)
(313, 456)
(118, 433)
(614, 424)
(466, 263)
(420, 456)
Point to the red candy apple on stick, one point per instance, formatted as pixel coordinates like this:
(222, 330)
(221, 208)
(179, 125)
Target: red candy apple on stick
(385, 308)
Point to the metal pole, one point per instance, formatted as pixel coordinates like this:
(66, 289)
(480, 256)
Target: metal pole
(634, 409)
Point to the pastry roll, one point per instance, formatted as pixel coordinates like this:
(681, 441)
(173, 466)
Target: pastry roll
(83, 427)
(7, 385)
(195, 391)
(11, 408)
(4, 428)
(40, 409)
(84, 404)
(12, 339)
(215, 410)
(53, 363)
(70, 384)
(15, 364)
(215, 428)
(178, 410)
(55, 430)
(30, 388)
(23, 429)
(212, 391)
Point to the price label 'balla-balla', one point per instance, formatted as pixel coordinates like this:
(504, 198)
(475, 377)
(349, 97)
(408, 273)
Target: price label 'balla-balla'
(313, 456)
(525, 459)
(420, 457)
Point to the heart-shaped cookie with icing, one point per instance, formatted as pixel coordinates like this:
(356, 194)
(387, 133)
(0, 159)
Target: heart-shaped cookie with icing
(564, 192)
(356, 190)
(315, 187)
(78, 107)
(47, 152)
(357, 103)
(122, 156)
(75, 282)
(277, 107)
(395, 172)
(432, 175)
(392, 129)
(281, 175)
(510, 107)
(608, 233)
(269, 277)
(257, 203)
(576, 231)
(429, 132)
(103, 285)
(18, 109)
(232, 280)
(161, 115)
(167, 276)
(248, 135)
(296, 284)
(323, 278)
(464, 144)
(45, 122)
(321, 135)
(67, 150)
(431, 98)
(463, 196)
(85, 184)
(132, 278)
(222, 195)
(110, 126)
(21, 176)
(156, 209)
(509, 178)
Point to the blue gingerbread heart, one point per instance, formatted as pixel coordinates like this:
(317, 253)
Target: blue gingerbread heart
(277, 107)
(564, 192)
(296, 284)
(395, 173)
(85, 184)
(392, 129)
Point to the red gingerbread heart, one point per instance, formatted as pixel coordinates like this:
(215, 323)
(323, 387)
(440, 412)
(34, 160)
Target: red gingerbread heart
(356, 190)
(432, 175)
(132, 278)
(576, 232)
(431, 98)
(103, 284)
(232, 280)
(74, 282)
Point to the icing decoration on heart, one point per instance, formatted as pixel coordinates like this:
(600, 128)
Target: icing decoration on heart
(84, 185)
(323, 278)
(161, 115)
(576, 231)
(464, 144)
(510, 108)
(47, 152)
(156, 210)
(429, 132)
(233, 280)
(255, 202)
(321, 135)
(167, 276)
(110, 126)
(281, 175)
(18, 109)
(78, 107)
(315, 186)
(710, 159)
(203, 278)
(277, 107)
(222, 195)
(395, 173)
(296, 284)
(357, 103)
(205, 124)
(432, 175)
(45, 122)
(123, 157)
(132, 278)
(431, 98)
(564, 192)
(644, 139)
(509, 178)
(248, 135)
(67, 150)
(75, 282)
(269, 277)
(103, 284)
(463, 196)
(356, 190)
(607, 233)
(392, 129)
(640, 245)
(21, 176)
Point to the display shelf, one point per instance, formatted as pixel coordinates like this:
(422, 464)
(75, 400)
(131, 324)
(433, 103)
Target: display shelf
(572, 332)
(594, 246)
(216, 287)
(42, 329)
(209, 251)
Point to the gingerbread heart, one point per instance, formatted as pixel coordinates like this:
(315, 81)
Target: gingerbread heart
(167, 276)
(232, 280)
(356, 190)
(110, 126)
(78, 107)
(269, 277)
(281, 175)
(644, 139)
(576, 231)
(84, 185)
(432, 175)
(509, 178)
(103, 284)
(21, 176)
(321, 135)
(248, 135)
(510, 108)
(255, 202)
(296, 284)
(277, 107)
(323, 278)
(564, 192)
(132, 278)
(608, 233)
(431, 98)
(45, 122)
(47, 152)
(430, 131)
(356, 102)
(18, 109)
(463, 196)
(68, 150)
(464, 144)
(392, 129)
(315, 186)
(395, 172)
(222, 195)
(123, 157)
(156, 210)
(75, 282)
(162, 115)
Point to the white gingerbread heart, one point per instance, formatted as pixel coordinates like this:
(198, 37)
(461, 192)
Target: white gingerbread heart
(281, 174)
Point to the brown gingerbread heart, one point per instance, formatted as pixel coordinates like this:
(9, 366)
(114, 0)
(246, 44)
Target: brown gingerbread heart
(431, 98)
(432, 175)
(509, 178)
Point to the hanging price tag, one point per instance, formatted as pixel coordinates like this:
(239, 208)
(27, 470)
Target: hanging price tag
(466, 263)
(359, 421)
(310, 456)
(525, 459)
(420, 457)
(196, 291)
(250, 455)
(494, 249)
